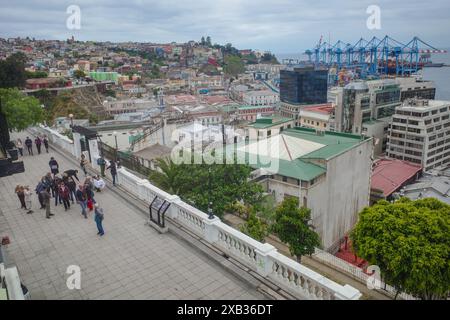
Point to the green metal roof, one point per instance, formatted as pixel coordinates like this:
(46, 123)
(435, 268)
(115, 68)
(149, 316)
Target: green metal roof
(335, 142)
(301, 168)
(252, 107)
(267, 122)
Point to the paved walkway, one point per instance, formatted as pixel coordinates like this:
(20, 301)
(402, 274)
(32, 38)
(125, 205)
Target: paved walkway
(132, 260)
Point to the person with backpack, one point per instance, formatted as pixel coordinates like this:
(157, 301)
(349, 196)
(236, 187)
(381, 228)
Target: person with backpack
(98, 217)
(54, 166)
(42, 185)
(38, 143)
(29, 145)
(102, 163)
(45, 140)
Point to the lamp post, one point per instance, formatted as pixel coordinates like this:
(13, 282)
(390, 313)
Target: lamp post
(71, 120)
(117, 148)
(210, 211)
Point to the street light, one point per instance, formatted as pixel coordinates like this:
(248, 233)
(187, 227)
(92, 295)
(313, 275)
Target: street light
(115, 138)
(210, 212)
(71, 120)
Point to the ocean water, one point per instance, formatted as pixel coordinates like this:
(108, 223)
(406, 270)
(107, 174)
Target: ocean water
(440, 76)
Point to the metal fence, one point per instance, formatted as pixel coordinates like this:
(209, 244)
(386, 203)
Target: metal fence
(129, 161)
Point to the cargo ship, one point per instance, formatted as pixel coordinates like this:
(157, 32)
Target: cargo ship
(425, 62)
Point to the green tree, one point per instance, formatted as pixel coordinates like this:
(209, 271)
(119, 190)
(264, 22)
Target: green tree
(254, 227)
(12, 71)
(21, 111)
(36, 74)
(292, 225)
(79, 74)
(410, 242)
(234, 65)
(269, 58)
(200, 184)
(202, 41)
(208, 41)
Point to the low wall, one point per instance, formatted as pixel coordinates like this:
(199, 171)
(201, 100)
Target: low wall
(262, 258)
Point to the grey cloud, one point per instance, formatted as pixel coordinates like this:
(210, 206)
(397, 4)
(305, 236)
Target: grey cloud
(280, 26)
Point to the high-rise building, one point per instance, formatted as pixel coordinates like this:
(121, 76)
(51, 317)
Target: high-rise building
(366, 107)
(420, 133)
(303, 85)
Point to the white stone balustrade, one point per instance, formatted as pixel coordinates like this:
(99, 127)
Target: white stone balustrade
(264, 259)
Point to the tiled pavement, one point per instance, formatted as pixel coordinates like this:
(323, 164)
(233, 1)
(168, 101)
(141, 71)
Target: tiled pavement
(132, 260)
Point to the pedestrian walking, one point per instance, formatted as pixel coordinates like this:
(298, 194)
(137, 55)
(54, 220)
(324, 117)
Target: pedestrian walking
(38, 143)
(29, 145)
(45, 140)
(46, 197)
(21, 196)
(113, 169)
(54, 166)
(102, 163)
(98, 217)
(81, 199)
(55, 189)
(19, 146)
(39, 188)
(27, 193)
(83, 163)
(64, 193)
(72, 188)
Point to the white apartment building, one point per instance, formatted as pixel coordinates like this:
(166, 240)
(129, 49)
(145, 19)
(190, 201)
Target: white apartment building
(261, 98)
(420, 133)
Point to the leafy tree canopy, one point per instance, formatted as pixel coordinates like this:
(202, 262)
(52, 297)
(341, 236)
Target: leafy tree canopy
(292, 227)
(21, 111)
(199, 184)
(12, 71)
(410, 242)
(255, 228)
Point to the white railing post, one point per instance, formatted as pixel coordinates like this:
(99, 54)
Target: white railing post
(264, 263)
(211, 230)
(348, 293)
(172, 212)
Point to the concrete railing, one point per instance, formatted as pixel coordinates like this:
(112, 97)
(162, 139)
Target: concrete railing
(262, 258)
(55, 138)
(356, 273)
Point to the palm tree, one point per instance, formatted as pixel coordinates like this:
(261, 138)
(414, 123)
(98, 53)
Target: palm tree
(166, 176)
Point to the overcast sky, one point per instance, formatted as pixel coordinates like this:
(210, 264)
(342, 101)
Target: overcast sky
(282, 26)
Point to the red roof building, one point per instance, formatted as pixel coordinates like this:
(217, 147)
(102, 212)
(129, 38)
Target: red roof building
(390, 175)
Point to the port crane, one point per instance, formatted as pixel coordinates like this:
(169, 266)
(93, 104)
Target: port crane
(375, 57)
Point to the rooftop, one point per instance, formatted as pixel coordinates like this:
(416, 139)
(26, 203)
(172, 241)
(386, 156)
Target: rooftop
(290, 152)
(429, 186)
(267, 122)
(245, 107)
(390, 174)
(320, 108)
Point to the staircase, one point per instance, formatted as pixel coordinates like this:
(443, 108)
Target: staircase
(146, 133)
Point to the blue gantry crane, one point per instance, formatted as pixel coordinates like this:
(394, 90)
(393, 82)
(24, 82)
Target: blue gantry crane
(375, 57)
